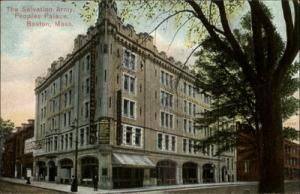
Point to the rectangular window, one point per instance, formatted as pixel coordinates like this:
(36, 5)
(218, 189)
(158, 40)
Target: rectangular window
(65, 99)
(66, 79)
(87, 85)
(171, 81)
(166, 120)
(70, 97)
(190, 126)
(159, 141)
(190, 146)
(190, 90)
(132, 62)
(87, 135)
(128, 108)
(166, 79)
(126, 59)
(162, 119)
(86, 106)
(185, 125)
(132, 84)
(185, 106)
(193, 127)
(138, 136)
(162, 77)
(65, 119)
(194, 93)
(173, 143)
(184, 145)
(129, 60)
(54, 88)
(87, 67)
(67, 141)
(71, 140)
(128, 135)
(129, 83)
(167, 142)
(81, 137)
(190, 108)
(62, 142)
(166, 99)
(126, 83)
(194, 110)
(185, 88)
(71, 76)
(69, 118)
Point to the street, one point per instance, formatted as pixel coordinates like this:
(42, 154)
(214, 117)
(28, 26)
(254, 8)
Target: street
(13, 188)
(251, 187)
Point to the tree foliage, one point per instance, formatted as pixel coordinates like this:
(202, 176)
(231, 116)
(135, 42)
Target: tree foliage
(291, 133)
(6, 127)
(221, 76)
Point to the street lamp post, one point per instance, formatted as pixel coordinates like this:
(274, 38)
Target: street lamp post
(74, 186)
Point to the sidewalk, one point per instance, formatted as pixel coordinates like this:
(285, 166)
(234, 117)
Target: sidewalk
(152, 189)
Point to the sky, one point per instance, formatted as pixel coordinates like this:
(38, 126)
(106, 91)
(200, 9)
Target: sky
(27, 52)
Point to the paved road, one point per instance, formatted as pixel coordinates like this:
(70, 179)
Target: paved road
(13, 188)
(249, 188)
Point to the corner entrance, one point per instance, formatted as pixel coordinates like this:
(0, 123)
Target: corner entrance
(89, 168)
(127, 177)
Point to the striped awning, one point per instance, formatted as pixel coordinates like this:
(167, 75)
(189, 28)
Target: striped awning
(129, 160)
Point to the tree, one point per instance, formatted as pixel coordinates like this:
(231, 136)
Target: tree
(220, 75)
(291, 133)
(6, 127)
(264, 68)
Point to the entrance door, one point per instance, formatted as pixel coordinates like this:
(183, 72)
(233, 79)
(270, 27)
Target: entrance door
(189, 173)
(127, 177)
(208, 173)
(224, 173)
(52, 171)
(166, 173)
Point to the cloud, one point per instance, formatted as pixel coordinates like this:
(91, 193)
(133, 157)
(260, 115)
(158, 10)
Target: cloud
(43, 45)
(177, 50)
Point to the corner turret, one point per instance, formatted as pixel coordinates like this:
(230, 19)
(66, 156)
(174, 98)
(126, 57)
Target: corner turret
(107, 9)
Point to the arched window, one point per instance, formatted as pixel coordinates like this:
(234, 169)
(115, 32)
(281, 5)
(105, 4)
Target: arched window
(166, 172)
(189, 173)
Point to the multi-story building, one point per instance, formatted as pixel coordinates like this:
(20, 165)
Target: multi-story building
(18, 151)
(291, 160)
(130, 108)
(248, 164)
(9, 156)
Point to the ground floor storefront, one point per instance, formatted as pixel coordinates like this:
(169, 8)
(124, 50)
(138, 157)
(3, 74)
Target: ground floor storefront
(130, 170)
(23, 166)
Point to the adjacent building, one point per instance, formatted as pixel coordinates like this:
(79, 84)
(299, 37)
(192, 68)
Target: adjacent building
(130, 108)
(248, 165)
(18, 152)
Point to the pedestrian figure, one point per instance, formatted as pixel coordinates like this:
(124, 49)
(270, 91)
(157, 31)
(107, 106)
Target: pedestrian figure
(73, 184)
(95, 182)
